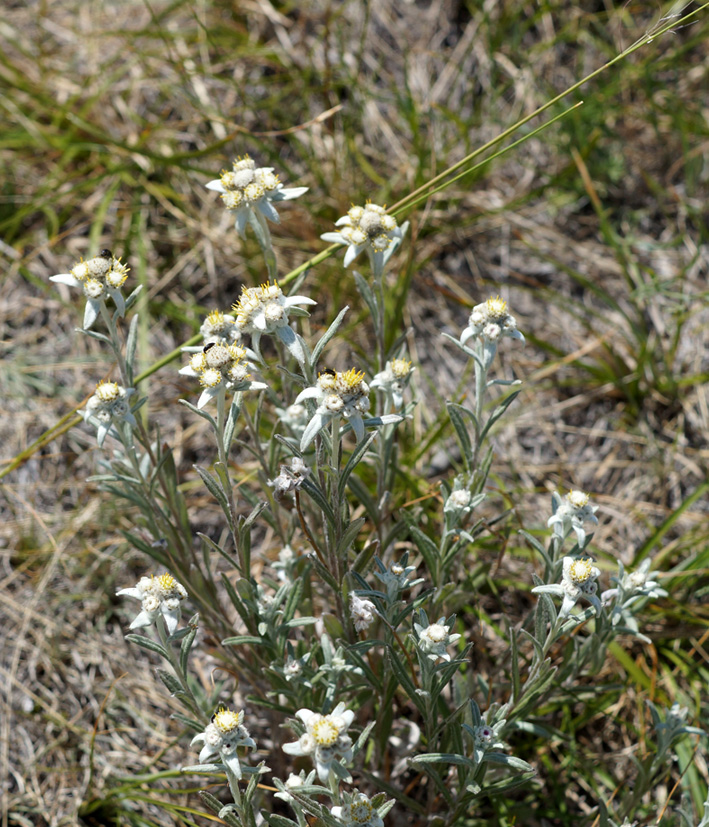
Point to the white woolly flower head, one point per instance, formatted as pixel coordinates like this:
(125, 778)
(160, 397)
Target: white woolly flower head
(394, 379)
(572, 513)
(397, 577)
(368, 228)
(160, 595)
(579, 580)
(220, 327)
(222, 738)
(220, 367)
(362, 612)
(357, 810)
(340, 394)
(108, 404)
(99, 277)
(325, 738)
(491, 321)
(265, 310)
(294, 783)
(433, 639)
(246, 188)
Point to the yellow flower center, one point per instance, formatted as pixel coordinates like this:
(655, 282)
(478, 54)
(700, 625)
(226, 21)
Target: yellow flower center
(362, 811)
(167, 582)
(107, 391)
(581, 570)
(325, 732)
(400, 368)
(226, 720)
(578, 499)
(496, 308)
(350, 380)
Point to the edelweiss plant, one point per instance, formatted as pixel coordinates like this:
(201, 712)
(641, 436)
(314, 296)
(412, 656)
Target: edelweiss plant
(316, 593)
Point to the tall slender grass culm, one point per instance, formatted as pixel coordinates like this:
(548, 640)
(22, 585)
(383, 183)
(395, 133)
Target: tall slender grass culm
(326, 512)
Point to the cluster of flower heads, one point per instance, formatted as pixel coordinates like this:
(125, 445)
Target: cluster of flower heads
(393, 380)
(159, 596)
(247, 188)
(108, 404)
(265, 309)
(340, 394)
(362, 612)
(325, 738)
(488, 323)
(101, 276)
(573, 512)
(220, 367)
(434, 639)
(368, 228)
(222, 737)
(220, 328)
(357, 810)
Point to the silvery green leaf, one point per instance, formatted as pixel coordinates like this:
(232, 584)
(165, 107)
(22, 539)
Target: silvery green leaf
(203, 769)
(147, 643)
(199, 411)
(508, 761)
(325, 338)
(171, 683)
(444, 758)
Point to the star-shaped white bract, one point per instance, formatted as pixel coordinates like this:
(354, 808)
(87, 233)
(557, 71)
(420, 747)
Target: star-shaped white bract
(159, 596)
(433, 639)
(108, 404)
(575, 510)
(325, 738)
(367, 228)
(222, 738)
(340, 394)
(265, 309)
(578, 580)
(246, 188)
(220, 367)
(98, 277)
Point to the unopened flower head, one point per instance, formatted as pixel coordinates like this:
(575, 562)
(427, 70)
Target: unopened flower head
(357, 810)
(571, 513)
(98, 277)
(295, 782)
(108, 404)
(397, 577)
(159, 596)
(220, 367)
(458, 502)
(640, 583)
(325, 738)
(394, 379)
(362, 612)
(247, 188)
(489, 322)
(366, 228)
(265, 309)
(222, 738)
(433, 639)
